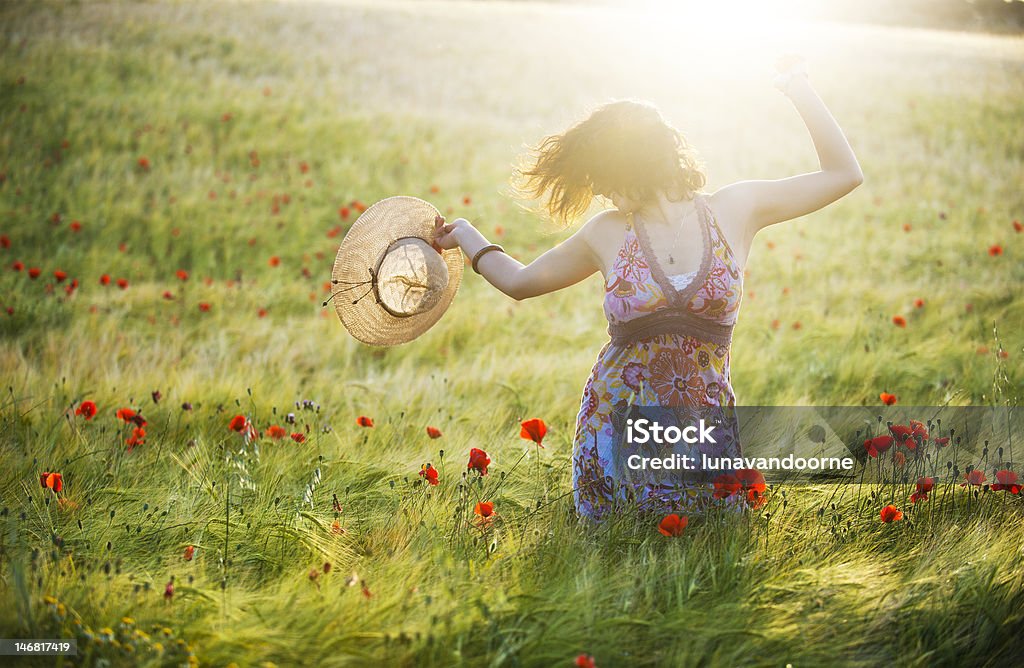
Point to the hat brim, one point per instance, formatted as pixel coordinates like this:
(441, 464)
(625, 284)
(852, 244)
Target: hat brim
(361, 250)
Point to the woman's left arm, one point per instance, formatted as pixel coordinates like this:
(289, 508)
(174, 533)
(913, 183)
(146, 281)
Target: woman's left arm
(566, 264)
(766, 202)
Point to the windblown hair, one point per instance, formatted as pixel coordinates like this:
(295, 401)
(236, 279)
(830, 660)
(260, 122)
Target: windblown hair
(624, 147)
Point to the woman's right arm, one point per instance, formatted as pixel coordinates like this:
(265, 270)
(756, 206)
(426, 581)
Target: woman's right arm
(566, 264)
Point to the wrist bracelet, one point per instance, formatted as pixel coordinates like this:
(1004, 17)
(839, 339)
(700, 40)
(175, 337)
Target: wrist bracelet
(480, 253)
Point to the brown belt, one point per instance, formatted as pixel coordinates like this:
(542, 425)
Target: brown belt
(669, 321)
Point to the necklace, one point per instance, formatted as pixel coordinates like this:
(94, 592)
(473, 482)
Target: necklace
(672, 260)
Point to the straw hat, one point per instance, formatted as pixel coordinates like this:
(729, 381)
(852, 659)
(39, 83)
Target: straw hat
(390, 283)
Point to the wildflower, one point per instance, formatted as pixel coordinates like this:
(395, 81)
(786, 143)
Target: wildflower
(891, 514)
(75, 226)
(204, 306)
(336, 528)
(156, 396)
(125, 414)
(753, 486)
(466, 200)
(918, 303)
(433, 432)
(144, 163)
(944, 441)
(924, 485)
(1006, 480)
(995, 249)
(276, 432)
(974, 477)
(169, 590)
(1017, 226)
(900, 431)
(899, 321)
(189, 552)
(122, 283)
(887, 399)
(33, 272)
(584, 661)
(186, 406)
(86, 409)
(435, 189)
(60, 275)
(362, 421)
(533, 429)
(182, 275)
(478, 460)
(18, 265)
(429, 473)
(138, 437)
(168, 295)
(298, 437)
(54, 481)
(726, 485)
(105, 279)
(484, 509)
(673, 525)
(274, 261)
(877, 445)
(343, 212)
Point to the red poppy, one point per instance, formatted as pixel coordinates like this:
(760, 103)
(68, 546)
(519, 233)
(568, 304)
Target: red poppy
(274, 261)
(1007, 481)
(899, 321)
(276, 432)
(877, 445)
(585, 661)
(138, 437)
(204, 306)
(60, 275)
(466, 200)
(484, 509)
(797, 325)
(105, 279)
(753, 486)
(944, 441)
(673, 525)
(900, 431)
(5, 241)
(358, 206)
(925, 484)
(898, 458)
(974, 477)
(34, 272)
(726, 485)
(435, 189)
(262, 313)
(891, 514)
(887, 399)
(54, 481)
(125, 414)
(429, 473)
(75, 226)
(122, 283)
(533, 429)
(919, 429)
(433, 432)
(995, 249)
(343, 212)
(18, 265)
(182, 275)
(364, 421)
(237, 423)
(906, 227)
(86, 409)
(189, 552)
(1018, 226)
(478, 460)
(298, 437)
(144, 163)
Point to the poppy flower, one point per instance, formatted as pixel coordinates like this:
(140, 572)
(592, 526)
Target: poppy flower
(898, 458)
(484, 509)
(144, 163)
(105, 279)
(900, 431)
(343, 212)
(1018, 226)
(753, 486)
(125, 414)
(364, 421)
(75, 226)
(169, 591)
(204, 306)
(122, 283)
(138, 437)
(974, 477)
(995, 249)
(275, 261)
(237, 423)
(189, 552)
(1006, 481)
(891, 514)
(429, 473)
(358, 206)
(60, 275)
(899, 321)
(924, 485)
(585, 661)
(877, 445)
(18, 265)
(262, 313)
(907, 227)
(86, 409)
(433, 432)
(276, 432)
(533, 429)
(944, 441)
(298, 437)
(54, 481)
(918, 303)
(1003, 354)
(887, 399)
(726, 485)
(673, 525)
(182, 275)
(435, 189)
(478, 460)
(34, 272)
(5, 241)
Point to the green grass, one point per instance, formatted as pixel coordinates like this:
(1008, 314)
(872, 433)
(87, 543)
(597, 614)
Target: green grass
(394, 100)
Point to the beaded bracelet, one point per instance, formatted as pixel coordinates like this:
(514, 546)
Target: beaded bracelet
(480, 253)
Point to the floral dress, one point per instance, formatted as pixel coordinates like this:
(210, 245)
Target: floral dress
(669, 348)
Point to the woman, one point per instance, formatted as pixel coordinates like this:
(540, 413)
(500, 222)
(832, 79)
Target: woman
(672, 257)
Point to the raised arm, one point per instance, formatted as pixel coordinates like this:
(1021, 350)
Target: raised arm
(566, 264)
(766, 202)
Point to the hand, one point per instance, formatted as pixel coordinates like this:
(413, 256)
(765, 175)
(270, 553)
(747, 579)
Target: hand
(445, 233)
(789, 66)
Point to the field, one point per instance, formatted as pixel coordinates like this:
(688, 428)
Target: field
(236, 143)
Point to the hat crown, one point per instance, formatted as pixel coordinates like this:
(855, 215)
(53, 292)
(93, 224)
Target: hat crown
(411, 278)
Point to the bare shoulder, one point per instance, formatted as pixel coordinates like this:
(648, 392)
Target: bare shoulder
(603, 233)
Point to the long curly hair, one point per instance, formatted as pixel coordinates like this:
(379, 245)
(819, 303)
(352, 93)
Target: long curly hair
(624, 147)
